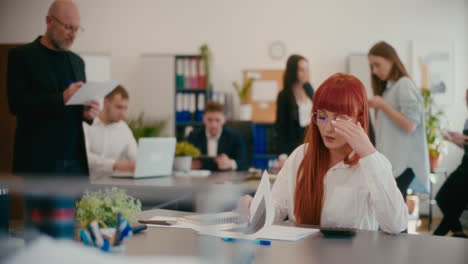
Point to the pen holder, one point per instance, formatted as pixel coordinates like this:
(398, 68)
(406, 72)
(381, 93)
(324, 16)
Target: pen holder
(106, 239)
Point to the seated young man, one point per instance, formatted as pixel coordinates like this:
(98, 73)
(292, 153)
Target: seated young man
(110, 143)
(223, 148)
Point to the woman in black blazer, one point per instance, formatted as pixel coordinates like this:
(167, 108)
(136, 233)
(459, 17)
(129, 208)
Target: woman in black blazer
(294, 105)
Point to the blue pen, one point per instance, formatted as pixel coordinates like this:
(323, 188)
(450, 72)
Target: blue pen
(85, 238)
(91, 234)
(260, 242)
(117, 229)
(70, 81)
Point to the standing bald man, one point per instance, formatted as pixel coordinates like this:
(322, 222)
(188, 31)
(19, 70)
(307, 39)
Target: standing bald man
(42, 76)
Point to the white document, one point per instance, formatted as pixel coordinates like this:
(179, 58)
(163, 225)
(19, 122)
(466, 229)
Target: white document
(176, 224)
(262, 214)
(92, 91)
(264, 90)
(193, 173)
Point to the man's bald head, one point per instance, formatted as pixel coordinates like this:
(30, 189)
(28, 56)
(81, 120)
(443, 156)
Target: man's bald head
(63, 7)
(63, 23)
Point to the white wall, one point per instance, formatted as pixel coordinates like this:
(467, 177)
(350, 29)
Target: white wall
(240, 31)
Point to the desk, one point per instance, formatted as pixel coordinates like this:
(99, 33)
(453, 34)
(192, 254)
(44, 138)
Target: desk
(168, 190)
(365, 247)
(216, 178)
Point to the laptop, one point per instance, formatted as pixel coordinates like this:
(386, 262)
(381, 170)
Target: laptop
(154, 159)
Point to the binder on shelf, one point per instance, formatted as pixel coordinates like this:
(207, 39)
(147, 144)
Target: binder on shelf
(200, 107)
(193, 74)
(192, 107)
(182, 107)
(186, 73)
(179, 73)
(187, 107)
(201, 74)
(179, 107)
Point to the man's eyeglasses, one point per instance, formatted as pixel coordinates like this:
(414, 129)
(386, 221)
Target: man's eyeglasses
(67, 27)
(321, 118)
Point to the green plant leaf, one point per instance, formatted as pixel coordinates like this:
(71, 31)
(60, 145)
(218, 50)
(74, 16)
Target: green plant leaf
(435, 121)
(184, 148)
(141, 127)
(105, 204)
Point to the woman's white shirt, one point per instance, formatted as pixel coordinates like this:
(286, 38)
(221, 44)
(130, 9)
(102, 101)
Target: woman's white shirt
(364, 196)
(304, 110)
(403, 150)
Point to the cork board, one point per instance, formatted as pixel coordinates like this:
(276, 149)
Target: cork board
(262, 96)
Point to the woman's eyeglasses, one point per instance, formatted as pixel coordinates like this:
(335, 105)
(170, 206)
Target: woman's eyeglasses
(67, 27)
(321, 119)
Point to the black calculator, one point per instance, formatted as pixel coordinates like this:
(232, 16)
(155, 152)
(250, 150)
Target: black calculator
(338, 231)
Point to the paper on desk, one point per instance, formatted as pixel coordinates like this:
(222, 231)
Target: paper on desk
(193, 173)
(287, 233)
(276, 232)
(92, 91)
(177, 223)
(262, 214)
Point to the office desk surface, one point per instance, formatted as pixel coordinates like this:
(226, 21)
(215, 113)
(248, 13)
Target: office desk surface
(216, 178)
(365, 247)
(180, 193)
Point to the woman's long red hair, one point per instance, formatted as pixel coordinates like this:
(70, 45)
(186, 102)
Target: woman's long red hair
(341, 94)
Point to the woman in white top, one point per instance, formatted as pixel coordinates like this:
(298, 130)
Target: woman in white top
(337, 178)
(399, 113)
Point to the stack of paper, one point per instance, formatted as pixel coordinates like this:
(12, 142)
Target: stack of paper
(262, 215)
(92, 91)
(261, 223)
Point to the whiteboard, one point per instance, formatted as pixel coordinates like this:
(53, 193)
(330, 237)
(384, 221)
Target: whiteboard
(358, 65)
(97, 66)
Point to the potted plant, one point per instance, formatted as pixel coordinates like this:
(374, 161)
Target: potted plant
(207, 58)
(435, 124)
(184, 154)
(245, 110)
(104, 206)
(142, 127)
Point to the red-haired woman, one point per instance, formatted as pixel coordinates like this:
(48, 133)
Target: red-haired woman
(337, 178)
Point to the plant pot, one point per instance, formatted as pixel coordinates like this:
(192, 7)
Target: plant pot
(245, 112)
(435, 160)
(183, 163)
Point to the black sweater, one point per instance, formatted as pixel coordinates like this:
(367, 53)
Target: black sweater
(289, 133)
(48, 133)
(230, 143)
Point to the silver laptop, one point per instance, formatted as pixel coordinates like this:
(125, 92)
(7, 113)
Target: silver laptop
(154, 159)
